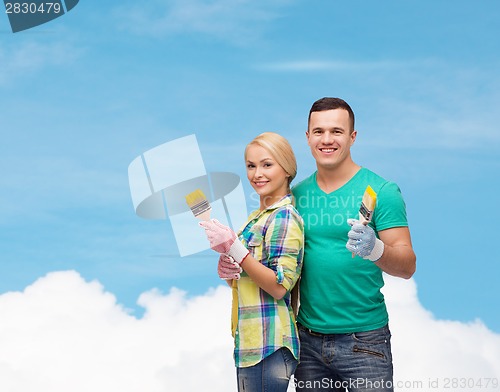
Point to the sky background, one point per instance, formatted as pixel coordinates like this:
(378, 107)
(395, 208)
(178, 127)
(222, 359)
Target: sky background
(84, 95)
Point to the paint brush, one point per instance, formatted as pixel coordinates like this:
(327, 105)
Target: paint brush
(199, 205)
(367, 206)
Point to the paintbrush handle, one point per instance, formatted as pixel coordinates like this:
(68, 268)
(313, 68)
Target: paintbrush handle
(204, 216)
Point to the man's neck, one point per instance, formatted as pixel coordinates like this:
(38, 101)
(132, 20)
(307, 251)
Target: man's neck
(331, 179)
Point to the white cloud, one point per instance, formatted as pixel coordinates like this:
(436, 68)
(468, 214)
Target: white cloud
(426, 348)
(65, 334)
(231, 20)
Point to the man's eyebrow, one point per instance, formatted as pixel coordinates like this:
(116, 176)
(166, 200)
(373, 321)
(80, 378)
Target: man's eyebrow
(327, 129)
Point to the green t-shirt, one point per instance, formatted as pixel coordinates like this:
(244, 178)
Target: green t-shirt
(339, 293)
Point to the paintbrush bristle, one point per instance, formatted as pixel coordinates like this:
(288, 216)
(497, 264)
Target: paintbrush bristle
(199, 204)
(195, 197)
(367, 205)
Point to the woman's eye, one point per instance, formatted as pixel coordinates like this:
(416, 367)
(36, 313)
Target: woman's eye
(250, 166)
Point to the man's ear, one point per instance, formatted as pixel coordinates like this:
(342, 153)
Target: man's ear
(353, 136)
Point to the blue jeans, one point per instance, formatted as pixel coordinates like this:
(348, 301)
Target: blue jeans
(272, 374)
(356, 362)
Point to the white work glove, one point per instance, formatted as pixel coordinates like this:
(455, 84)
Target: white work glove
(363, 241)
(224, 240)
(228, 269)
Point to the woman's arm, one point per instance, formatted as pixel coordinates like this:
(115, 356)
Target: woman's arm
(263, 277)
(283, 245)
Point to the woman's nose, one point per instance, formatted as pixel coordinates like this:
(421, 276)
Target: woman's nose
(258, 172)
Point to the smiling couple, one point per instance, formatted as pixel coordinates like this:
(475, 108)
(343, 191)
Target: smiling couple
(340, 330)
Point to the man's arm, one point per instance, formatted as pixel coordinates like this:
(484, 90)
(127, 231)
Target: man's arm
(398, 258)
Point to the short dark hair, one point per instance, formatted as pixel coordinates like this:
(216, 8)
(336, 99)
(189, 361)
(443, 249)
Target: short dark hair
(328, 103)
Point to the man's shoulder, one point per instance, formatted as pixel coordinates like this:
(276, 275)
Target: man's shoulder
(371, 175)
(376, 181)
(304, 185)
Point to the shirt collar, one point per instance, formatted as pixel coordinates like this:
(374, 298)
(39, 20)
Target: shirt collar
(287, 199)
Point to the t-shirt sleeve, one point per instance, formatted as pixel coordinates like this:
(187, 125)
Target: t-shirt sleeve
(390, 210)
(284, 244)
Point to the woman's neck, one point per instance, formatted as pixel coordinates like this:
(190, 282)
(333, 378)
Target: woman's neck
(268, 201)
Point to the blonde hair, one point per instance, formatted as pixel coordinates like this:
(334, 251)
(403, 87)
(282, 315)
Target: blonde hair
(280, 149)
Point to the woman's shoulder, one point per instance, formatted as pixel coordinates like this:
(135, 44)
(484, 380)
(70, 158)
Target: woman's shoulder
(288, 212)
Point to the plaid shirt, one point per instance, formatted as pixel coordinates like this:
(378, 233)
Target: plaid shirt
(261, 324)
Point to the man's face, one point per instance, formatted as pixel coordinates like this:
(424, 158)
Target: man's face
(330, 138)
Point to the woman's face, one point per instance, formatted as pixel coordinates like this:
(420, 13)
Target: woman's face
(266, 176)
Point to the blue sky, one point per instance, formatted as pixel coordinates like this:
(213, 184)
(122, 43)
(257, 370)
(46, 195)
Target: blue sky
(82, 96)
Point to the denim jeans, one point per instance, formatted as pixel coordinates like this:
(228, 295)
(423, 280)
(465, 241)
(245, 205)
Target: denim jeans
(272, 374)
(358, 362)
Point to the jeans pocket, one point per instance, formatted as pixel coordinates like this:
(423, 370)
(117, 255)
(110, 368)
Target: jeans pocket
(376, 336)
(375, 343)
(369, 351)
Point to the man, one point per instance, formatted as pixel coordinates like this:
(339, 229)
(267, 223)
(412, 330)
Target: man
(343, 320)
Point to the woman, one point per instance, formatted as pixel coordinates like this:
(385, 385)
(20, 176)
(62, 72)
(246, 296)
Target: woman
(268, 252)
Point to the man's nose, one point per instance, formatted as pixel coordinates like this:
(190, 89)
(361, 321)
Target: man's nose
(327, 138)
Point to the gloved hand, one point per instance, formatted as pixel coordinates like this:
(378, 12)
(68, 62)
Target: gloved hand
(228, 268)
(363, 241)
(224, 240)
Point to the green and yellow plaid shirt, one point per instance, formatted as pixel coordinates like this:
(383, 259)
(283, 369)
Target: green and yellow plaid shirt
(261, 324)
